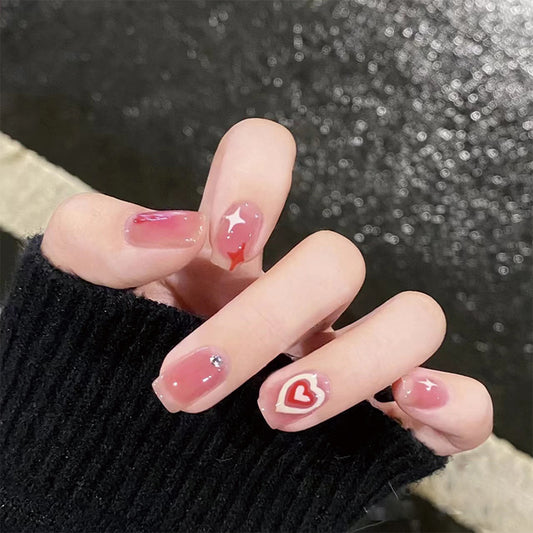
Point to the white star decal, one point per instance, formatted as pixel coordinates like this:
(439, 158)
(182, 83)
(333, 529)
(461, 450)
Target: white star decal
(235, 218)
(428, 383)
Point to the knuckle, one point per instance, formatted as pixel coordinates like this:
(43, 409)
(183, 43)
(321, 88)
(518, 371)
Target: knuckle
(69, 210)
(65, 224)
(425, 306)
(242, 128)
(61, 220)
(341, 259)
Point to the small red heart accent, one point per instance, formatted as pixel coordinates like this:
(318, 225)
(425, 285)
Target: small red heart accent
(300, 394)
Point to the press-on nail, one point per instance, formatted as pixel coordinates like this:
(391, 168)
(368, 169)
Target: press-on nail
(164, 229)
(190, 378)
(420, 391)
(284, 402)
(237, 233)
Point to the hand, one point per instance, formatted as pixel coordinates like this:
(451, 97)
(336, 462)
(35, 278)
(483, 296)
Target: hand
(210, 263)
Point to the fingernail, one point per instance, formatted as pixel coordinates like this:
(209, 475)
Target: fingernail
(283, 403)
(237, 232)
(190, 378)
(420, 391)
(164, 229)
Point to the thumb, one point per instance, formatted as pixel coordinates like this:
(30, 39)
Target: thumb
(118, 244)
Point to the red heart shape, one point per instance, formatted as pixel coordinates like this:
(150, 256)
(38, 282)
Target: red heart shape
(300, 394)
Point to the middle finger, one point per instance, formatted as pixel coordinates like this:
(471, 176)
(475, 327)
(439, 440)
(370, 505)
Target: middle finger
(272, 314)
(246, 189)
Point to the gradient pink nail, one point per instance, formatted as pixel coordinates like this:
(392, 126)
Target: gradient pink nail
(190, 378)
(164, 229)
(238, 231)
(283, 402)
(421, 391)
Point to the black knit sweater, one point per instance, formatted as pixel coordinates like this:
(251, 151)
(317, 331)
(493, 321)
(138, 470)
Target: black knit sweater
(86, 446)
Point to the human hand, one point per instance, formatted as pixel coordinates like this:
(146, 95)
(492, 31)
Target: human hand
(210, 263)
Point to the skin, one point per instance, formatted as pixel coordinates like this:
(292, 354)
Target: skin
(254, 316)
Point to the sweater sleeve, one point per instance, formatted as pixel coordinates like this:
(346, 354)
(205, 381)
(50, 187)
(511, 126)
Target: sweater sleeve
(86, 446)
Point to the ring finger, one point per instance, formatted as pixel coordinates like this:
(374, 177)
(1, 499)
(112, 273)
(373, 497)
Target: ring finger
(394, 338)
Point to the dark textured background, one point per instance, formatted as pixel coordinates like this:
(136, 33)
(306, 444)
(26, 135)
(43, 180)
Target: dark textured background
(414, 124)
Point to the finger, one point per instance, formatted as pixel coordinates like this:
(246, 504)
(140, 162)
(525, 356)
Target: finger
(114, 243)
(261, 322)
(400, 334)
(449, 413)
(246, 189)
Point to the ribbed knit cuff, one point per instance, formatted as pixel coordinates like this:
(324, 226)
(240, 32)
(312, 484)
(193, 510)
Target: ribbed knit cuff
(86, 445)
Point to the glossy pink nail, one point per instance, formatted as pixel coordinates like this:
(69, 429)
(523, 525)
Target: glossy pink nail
(164, 229)
(237, 232)
(190, 378)
(285, 402)
(421, 391)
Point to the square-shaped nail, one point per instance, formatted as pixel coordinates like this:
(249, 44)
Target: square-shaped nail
(421, 391)
(283, 402)
(190, 378)
(164, 229)
(237, 233)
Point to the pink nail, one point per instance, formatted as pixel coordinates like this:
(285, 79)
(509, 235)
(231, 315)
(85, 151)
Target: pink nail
(190, 378)
(164, 229)
(237, 232)
(420, 391)
(284, 402)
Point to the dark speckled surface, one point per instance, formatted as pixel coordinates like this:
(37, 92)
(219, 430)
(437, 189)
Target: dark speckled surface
(414, 124)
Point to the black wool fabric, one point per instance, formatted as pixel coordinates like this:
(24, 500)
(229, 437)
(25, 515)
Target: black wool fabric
(86, 446)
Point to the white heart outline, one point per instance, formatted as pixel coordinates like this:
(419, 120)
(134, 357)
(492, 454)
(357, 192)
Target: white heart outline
(281, 407)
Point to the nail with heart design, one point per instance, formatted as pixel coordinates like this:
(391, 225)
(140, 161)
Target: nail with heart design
(285, 402)
(237, 233)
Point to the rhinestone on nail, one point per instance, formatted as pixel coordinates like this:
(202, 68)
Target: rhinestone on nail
(216, 361)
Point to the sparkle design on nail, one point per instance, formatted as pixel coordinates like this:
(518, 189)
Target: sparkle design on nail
(237, 235)
(237, 257)
(300, 394)
(234, 219)
(428, 383)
